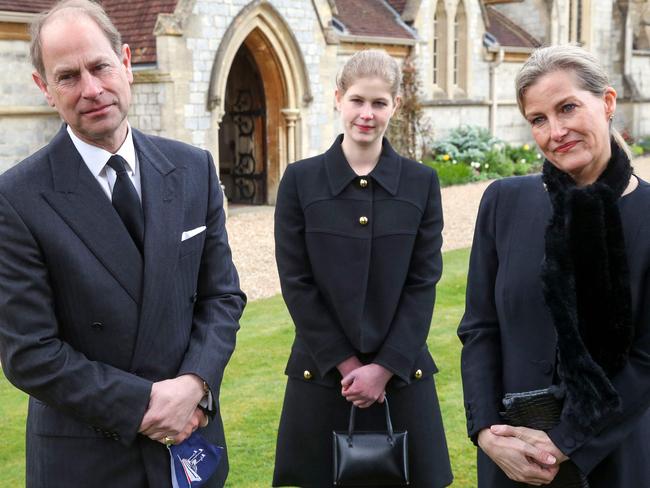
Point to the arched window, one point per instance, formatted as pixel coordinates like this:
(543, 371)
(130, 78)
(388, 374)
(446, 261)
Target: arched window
(459, 51)
(439, 46)
(579, 21)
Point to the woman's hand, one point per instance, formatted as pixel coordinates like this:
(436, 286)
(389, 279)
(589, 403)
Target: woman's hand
(536, 438)
(366, 385)
(519, 460)
(349, 365)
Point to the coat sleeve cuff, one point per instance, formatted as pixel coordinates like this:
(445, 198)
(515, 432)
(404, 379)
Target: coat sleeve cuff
(138, 404)
(334, 353)
(479, 418)
(566, 438)
(396, 362)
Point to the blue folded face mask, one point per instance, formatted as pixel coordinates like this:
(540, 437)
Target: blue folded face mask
(193, 461)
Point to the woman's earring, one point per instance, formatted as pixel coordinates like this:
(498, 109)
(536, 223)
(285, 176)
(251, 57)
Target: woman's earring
(611, 117)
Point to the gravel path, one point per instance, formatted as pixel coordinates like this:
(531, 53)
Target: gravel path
(250, 231)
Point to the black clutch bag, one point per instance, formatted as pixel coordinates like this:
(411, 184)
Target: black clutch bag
(369, 458)
(541, 410)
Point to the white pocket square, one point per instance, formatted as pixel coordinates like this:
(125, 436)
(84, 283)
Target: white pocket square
(191, 233)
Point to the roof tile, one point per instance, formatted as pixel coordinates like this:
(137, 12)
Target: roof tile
(135, 19)
(398, 5)
(370, 18)
(507, 32)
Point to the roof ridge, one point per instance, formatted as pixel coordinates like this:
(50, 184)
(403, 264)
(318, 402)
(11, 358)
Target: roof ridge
(514, 28)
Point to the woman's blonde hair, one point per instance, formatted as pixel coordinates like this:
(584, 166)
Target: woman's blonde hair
(588, 71)
(370, 63)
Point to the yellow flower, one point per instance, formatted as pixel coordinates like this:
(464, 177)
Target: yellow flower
(526, 147)
(446, 157)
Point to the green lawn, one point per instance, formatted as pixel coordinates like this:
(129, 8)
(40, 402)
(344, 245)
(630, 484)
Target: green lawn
(253, 387)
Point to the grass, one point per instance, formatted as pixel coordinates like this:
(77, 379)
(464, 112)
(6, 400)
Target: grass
(252, 392)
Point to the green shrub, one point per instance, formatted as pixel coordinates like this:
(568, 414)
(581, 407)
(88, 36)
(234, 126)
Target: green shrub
(450, 173)
(481, 156)
(524, 154)
(644, 143)
(468, 137)
(496, 162)
(637, 150)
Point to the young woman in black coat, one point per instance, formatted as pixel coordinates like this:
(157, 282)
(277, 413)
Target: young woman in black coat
(559, 294)
(358, 237)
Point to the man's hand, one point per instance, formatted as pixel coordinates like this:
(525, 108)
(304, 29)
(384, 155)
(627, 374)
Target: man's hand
(172, 406)
(536, 438)
(366, 385)
(198, 419)
(519, 460)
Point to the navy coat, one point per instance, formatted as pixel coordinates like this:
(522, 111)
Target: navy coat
(359, 259)
(87, 324)
(510, 341)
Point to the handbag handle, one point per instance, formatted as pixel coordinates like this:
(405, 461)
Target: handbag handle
(389, 424)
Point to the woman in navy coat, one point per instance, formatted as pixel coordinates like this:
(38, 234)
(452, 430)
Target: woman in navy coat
(558, 292)
(358, 237)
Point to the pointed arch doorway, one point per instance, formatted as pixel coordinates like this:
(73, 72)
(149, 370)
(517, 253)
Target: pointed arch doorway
(243, 146)
(258, 88)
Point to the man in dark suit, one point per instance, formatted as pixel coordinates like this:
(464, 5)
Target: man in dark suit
(119, 301)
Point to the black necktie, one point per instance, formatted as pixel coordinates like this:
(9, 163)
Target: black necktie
(127, 202)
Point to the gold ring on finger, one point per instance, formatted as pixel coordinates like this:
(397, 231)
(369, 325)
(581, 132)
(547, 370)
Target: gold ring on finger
(168, 440)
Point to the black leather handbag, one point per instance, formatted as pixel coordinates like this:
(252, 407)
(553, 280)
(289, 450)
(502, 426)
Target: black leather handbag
(542, 410)
(371, 458)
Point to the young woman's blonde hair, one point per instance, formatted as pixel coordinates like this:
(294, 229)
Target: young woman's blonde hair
(588, 71)
(370, 63)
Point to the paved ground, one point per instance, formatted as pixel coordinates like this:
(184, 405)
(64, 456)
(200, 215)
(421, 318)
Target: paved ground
(251, 233)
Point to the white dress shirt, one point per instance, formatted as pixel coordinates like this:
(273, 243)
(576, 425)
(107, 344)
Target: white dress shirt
(96, 159)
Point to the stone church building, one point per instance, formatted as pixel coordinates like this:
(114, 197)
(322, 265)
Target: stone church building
(253, 81)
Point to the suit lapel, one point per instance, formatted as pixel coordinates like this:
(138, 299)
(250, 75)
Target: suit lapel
(82, 204)
(162, 195)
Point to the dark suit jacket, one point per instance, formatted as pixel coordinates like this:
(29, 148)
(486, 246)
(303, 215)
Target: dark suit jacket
(87, 324)
(510, 342)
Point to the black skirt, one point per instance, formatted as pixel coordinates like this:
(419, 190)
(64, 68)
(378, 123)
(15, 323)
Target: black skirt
(311, 412)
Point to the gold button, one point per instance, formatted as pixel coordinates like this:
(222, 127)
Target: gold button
(418, 374)
(307, 374)
(363, 220)
(363, 182)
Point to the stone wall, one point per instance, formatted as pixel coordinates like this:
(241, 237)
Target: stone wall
(24, 134)
(146, 107)
(26, 121)
(511, 126)
(211, 21)
(640, 71)
(16, 85)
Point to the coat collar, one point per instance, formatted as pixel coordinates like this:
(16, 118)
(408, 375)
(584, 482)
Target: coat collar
(340, 174)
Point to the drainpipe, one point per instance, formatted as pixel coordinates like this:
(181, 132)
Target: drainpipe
(493, 46)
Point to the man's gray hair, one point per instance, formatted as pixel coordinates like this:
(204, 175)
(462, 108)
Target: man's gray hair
(72, 7)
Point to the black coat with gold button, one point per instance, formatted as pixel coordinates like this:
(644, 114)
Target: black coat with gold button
(359, 259)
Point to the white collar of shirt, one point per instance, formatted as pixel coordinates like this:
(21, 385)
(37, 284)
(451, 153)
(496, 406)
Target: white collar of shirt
(96, 157)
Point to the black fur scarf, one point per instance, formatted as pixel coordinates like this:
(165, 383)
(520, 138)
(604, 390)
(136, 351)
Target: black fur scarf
(585, 280)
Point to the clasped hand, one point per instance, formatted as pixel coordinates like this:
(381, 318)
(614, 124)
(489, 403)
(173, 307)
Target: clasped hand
(525, 455)
(173, 410)
(363, 385)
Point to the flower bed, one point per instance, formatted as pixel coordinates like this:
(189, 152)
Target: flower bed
(472, 154)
